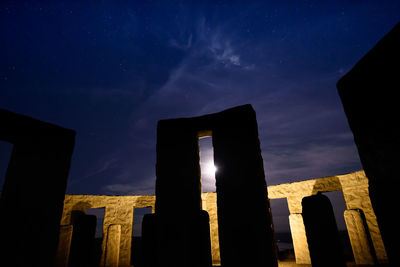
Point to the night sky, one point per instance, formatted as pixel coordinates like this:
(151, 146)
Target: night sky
(111, 69)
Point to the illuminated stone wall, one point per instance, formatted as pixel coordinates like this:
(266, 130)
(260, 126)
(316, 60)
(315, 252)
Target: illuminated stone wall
(119, 210)
(354, 187)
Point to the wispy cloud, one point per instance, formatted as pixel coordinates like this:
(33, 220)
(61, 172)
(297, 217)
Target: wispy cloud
(217, 73)
(144, 187)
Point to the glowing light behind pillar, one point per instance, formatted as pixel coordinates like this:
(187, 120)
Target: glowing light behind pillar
(207, 166)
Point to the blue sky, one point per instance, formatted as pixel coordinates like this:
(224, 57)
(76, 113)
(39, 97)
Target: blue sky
(111, 69)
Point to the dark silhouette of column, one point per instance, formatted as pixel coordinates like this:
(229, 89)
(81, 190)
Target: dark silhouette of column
(31, 203)
(83, 240)
(369, 93)
(322, 232)
(178, 233)
(244, 220)
(180, 237)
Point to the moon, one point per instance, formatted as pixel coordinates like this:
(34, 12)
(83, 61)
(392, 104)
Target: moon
(210, 168)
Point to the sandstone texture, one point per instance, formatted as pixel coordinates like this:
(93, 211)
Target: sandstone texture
(358, 237)
(119, 210)
(354, 187)
(113, 239)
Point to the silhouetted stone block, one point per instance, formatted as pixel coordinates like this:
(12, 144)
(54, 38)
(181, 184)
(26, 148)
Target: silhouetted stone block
(322, 233)
(34, 189)
(64, 246)
(237, 155)
(149, 240)
(83, 240)
(247, 241)
(369, 93)
(184, 241)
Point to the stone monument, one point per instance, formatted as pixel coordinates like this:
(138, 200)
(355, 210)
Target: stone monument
(180, 237)
(369, 93)
(31, 202)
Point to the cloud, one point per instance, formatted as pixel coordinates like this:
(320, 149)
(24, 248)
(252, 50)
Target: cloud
(309, 162)
(180, 45)
(300, 117)
(143, 187)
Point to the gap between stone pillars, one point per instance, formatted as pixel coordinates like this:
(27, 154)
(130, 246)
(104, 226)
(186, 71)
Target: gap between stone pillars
(299, 238)
(358, 235)
(112, 249)
(64, 246)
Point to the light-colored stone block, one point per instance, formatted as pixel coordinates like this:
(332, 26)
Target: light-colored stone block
(210, 205)
(119, 210)
(111, 257)
(299, 238)
(358, 237)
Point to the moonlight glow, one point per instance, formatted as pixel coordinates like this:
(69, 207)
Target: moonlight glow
(210, 168)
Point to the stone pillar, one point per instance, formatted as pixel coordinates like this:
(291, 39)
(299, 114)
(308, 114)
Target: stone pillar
(121, 215)
(33, 190)
(177, 168)
(111, 257)
(356, 195)
(240, 183)
(373, 82)
(299, 238)
(322, 233)
(210, 205)
(64, 246)
(358, 237)
(248, 242)
(174, 237)
(297, 228)
(83, 239)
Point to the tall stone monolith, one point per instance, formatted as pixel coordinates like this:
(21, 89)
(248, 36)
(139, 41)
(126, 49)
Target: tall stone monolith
(369, 94)
(322, 232)
(237, 155)
(31, 203)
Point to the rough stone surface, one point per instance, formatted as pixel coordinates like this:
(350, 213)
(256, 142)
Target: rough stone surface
(353, 185)
(358, 237)
(209, 203)
(300, 245)
(111, 257)
(355, 189)
(118, 210)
